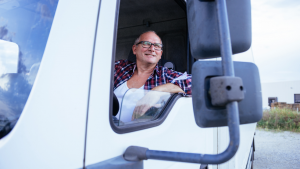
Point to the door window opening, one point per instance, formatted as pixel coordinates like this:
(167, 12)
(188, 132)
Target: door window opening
(168, 19)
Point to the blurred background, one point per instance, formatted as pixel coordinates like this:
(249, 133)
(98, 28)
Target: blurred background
(276, 39)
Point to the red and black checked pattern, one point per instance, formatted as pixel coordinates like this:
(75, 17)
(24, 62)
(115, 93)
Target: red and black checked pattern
(161, 75)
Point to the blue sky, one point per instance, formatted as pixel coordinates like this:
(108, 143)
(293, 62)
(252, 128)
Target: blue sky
(276, 39)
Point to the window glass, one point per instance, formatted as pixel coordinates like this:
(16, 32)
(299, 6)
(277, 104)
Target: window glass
(24, 29)
(297, 98)
(139, 105)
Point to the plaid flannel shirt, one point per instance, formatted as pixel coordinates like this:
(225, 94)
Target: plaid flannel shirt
(124, 70)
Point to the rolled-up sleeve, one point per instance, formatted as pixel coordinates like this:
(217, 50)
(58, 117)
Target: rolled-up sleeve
(183, 80)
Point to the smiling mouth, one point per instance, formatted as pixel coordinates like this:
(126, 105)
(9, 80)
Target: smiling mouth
(150, 55)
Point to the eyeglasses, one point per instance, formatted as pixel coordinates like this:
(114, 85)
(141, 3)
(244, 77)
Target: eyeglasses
(147, 44)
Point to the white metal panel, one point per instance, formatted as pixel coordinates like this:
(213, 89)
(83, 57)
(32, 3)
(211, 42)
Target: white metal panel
(239, 161)
(51, 130)
(99, 130)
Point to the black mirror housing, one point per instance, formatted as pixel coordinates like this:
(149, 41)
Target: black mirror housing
(204, 30)
(207, 115)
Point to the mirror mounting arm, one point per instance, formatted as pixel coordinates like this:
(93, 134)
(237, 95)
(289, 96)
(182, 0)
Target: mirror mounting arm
(228, 70)
(134, 153)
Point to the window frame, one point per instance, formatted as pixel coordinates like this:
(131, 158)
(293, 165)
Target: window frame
(149, 124)
(170, 103)
(295, 97)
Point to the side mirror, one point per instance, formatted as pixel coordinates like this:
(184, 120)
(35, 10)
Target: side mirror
(207, 115)
(9, 57)
(203, 27)
(215, 29)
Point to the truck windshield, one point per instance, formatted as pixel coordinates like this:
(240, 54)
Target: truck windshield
(24, 29)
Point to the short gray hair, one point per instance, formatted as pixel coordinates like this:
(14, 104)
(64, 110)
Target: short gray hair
(138, 39)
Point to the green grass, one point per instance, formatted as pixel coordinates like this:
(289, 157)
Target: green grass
(280, 119)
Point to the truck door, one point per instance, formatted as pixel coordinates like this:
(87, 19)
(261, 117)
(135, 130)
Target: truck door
(177, 130)
(174, 127)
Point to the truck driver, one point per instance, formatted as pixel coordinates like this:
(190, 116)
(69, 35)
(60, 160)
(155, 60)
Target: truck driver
(146, 74)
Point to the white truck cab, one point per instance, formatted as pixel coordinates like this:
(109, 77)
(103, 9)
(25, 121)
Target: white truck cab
(56, 96)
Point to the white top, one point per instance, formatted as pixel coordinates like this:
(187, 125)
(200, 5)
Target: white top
(128, 109)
